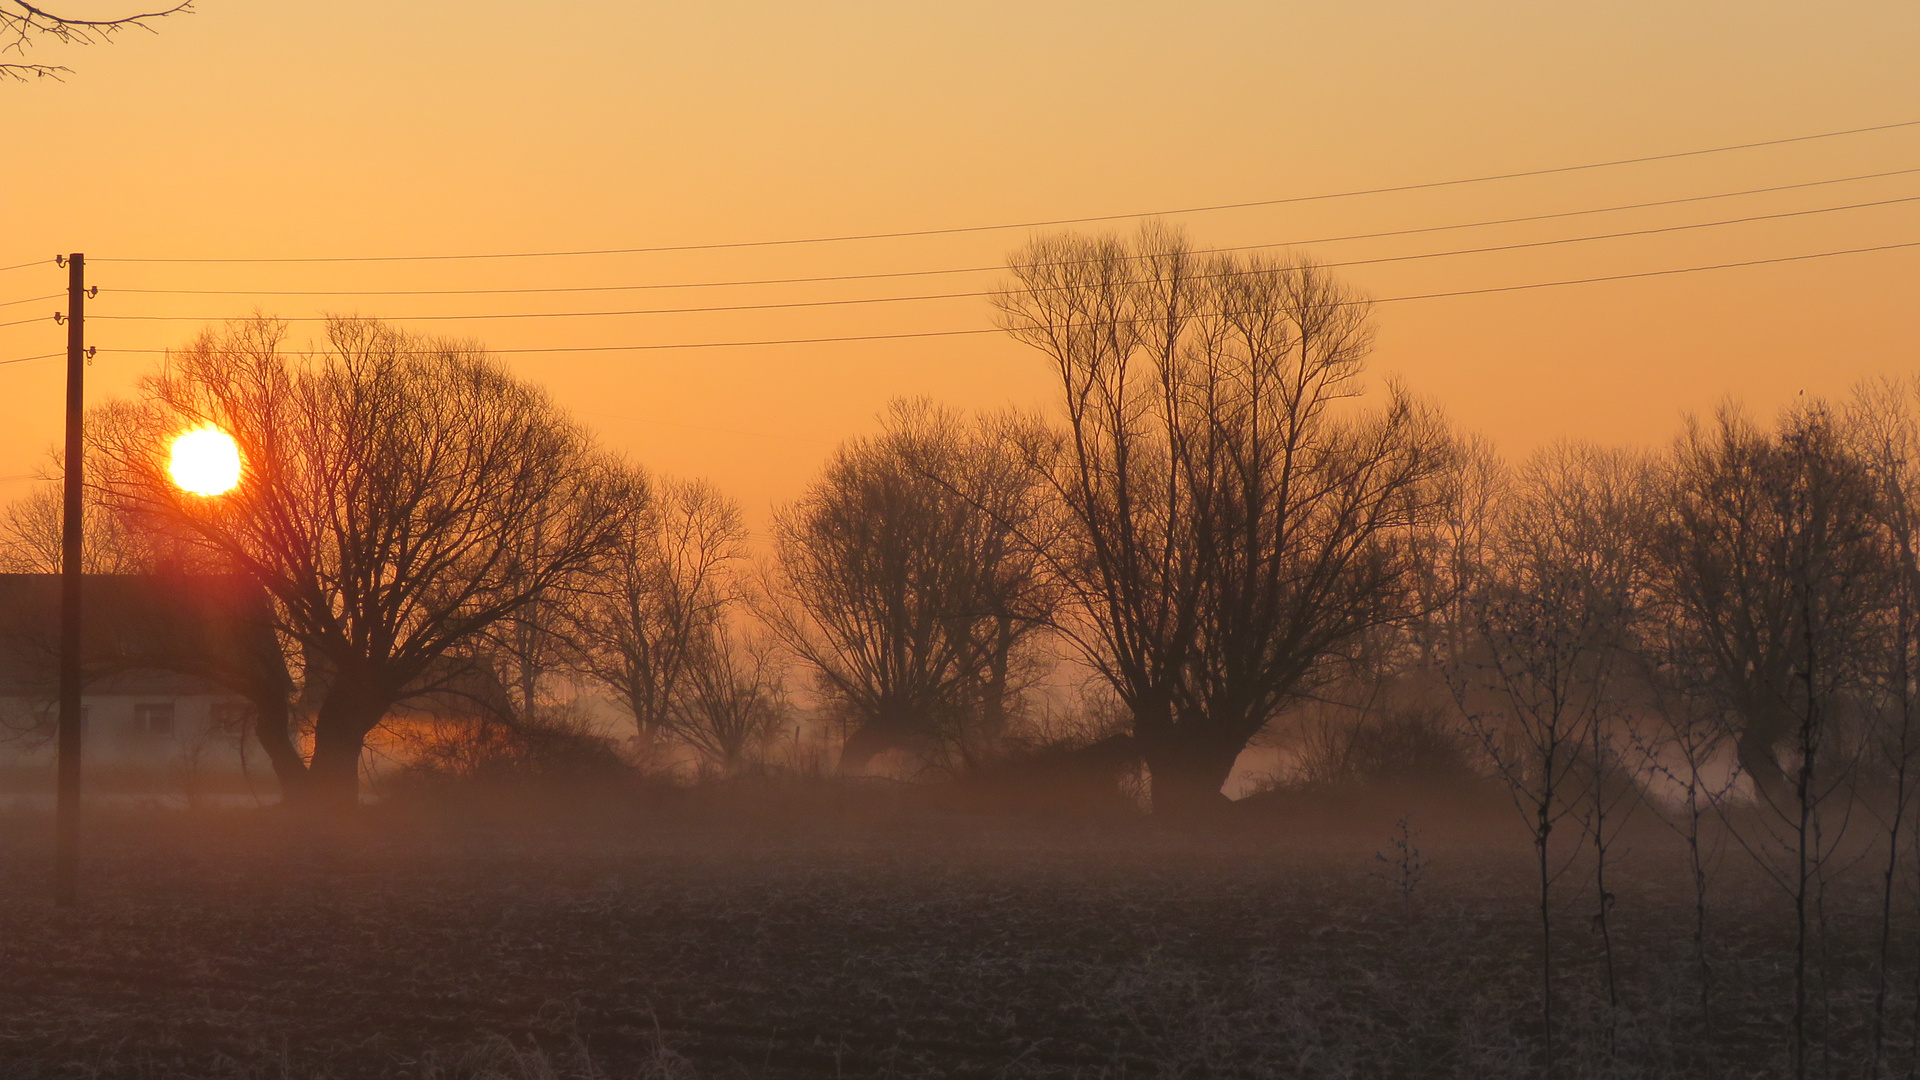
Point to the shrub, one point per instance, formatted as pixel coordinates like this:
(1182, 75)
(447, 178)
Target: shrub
(1412, 745)
(545, 747)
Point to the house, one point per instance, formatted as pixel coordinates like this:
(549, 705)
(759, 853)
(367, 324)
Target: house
(172, 665)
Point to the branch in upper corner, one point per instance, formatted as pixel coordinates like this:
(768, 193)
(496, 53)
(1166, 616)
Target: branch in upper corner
(24, 72)
(22, 23)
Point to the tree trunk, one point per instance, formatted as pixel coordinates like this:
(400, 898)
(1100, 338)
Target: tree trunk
(339, 735)
(993, 710)
(1755, 750)
(1188, 768)
(867, 742)
(272, 728)
(333, 780)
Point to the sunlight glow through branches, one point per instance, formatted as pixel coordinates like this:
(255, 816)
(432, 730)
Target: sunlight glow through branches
(206, 462)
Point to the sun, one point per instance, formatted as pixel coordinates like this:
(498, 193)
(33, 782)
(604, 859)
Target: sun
(206, 461)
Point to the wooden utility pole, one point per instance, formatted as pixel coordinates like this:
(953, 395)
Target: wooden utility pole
(66, 855)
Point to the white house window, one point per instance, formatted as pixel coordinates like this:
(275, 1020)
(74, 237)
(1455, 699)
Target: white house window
(153, 719)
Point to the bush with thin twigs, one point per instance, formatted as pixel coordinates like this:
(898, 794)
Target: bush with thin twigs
(549, 746)
(1413, 745)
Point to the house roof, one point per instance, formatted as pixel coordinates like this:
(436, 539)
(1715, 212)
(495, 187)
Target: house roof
(142, 634)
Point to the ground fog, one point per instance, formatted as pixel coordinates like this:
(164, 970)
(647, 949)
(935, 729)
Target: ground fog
(898, 941)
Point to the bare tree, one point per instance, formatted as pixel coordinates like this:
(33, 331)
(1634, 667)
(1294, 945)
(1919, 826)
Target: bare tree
(389, 488)
(30, 536)
(1229, 527)
(1536, 680)
(640, 626)
(525, 646)
(1771, 553)
(1600, 502)
(1689, 726)
(1459, 553)
(903, 583)
(735, 699)
(1886, 434)
(23, 24)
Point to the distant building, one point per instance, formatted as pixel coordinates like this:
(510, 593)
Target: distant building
(172, 664)
(175, 669)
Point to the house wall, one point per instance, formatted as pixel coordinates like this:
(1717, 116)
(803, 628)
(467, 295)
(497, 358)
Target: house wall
(120, 753)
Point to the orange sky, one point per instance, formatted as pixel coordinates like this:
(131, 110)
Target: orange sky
(251, 130)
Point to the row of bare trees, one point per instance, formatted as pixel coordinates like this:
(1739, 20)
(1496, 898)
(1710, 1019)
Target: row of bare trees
(1720, 634)
(1213, 523)
(1216, 525)
(422, 525)
(1213, 528)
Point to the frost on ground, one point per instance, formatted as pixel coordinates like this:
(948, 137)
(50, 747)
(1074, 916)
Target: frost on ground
(626, 945)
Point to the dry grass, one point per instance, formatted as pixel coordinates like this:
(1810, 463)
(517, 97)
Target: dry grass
(659, 942)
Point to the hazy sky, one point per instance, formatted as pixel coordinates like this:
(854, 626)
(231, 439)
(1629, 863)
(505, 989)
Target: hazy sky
(354, 129)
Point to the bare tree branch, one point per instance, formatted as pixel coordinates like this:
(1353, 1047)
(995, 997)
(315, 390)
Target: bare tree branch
(23, 24)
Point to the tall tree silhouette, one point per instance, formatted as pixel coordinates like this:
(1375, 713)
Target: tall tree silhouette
(663, 592)
(391, 484)
(902, 582)
(1539, 675)
(1771, 552)
(1884, 431)
(1230, 526)
(735, 697)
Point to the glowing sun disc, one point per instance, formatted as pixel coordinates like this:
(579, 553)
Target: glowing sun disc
(205, 462)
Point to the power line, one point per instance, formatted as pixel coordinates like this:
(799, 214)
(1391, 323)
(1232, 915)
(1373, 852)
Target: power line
(1646, 273)
(24, 265)
(994, 330)
(707, 427)
(980, 293)
(670, 345)
(578, 314)
(989, 330)
(23, 322)
(31, 299)
(1425, 186)
(1001, 267)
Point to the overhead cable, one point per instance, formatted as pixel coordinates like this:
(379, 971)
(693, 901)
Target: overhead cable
(980, 293)
(994, 330)
(1001, 266)
(1424, 186)
(32, 299)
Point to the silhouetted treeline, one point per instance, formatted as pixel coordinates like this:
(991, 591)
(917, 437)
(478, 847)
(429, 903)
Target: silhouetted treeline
(1214, 532)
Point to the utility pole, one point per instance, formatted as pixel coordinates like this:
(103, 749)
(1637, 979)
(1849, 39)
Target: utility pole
(66, 852)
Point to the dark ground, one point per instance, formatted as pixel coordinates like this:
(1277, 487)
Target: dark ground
(618, 940)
